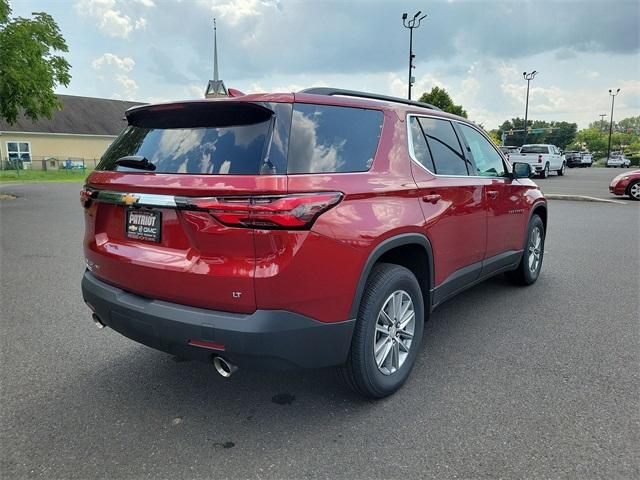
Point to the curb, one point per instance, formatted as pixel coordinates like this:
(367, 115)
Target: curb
(581, 198)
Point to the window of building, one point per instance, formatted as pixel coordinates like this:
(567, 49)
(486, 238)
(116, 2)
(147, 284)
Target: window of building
(19, 151)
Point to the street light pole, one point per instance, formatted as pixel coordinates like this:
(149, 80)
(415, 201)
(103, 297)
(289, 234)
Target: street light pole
(613, 99)
(528, 77)
(602, 115)
(411, 24)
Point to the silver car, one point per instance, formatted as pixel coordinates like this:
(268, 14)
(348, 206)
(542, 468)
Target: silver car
(617, 159)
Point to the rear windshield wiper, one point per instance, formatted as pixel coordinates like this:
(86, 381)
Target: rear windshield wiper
(136, 161)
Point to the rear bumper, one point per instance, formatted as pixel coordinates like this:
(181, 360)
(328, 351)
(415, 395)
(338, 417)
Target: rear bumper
(265, 339)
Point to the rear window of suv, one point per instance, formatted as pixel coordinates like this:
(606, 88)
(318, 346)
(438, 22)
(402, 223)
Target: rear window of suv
(218, 139)
(331, 139)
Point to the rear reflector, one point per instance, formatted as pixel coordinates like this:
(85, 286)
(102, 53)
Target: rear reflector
(266, 212)
(207, 344)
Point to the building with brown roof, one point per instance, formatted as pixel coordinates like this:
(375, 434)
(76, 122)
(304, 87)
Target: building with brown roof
(81, 130)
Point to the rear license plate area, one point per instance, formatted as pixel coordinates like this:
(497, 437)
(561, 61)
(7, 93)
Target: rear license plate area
(143, 225)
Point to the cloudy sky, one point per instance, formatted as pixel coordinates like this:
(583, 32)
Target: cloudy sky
(156, 50)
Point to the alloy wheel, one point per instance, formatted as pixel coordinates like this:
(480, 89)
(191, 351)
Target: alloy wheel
(535, 250)
(394, 331)
(635, 190)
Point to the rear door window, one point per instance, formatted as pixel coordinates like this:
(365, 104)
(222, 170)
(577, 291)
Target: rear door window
(445, 147)
(333, 139)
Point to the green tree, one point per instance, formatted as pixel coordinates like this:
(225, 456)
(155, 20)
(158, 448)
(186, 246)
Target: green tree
(630, 124)
(559, 134)
(29, 67)
(494, 135)
(592, 139)
(441, 99)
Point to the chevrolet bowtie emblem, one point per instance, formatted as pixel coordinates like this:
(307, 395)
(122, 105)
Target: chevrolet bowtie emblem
(130, 199)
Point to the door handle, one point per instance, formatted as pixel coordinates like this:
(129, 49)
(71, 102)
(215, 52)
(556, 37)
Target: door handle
(431, 198)
(492, 193)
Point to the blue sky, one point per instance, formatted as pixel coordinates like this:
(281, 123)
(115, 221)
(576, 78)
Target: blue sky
(157, 50)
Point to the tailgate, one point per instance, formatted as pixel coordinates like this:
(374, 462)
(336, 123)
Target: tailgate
(144, 232)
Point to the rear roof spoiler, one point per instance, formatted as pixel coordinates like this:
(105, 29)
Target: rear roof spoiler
(198, 113)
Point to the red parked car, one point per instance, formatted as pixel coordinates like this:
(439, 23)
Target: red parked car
(626, 184)
(312, 229)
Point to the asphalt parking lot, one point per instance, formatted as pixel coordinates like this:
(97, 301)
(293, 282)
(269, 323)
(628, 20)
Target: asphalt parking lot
(593, 182)
(538, 382)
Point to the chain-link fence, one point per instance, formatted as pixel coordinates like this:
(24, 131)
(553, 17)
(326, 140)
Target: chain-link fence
(48, 163)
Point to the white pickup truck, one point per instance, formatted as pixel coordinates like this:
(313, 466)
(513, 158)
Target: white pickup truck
(542, 158)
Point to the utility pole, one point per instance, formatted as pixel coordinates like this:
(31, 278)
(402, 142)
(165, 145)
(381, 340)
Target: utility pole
(602, 115)
(411, 24)
(528, 77)
(613, 99)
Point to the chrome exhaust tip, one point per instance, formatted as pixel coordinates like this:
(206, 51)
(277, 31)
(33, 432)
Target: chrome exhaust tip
(97, 321)
(223, 367)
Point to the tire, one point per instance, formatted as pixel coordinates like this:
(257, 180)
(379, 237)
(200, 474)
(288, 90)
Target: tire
(524, 274)
(361, 372)
(561, 171)
(545, 173)
(633, 190)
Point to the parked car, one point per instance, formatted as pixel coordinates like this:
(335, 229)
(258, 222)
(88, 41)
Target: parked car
(573, 159)
(312, 229)
(617, 159)
(626, 184)
(542, 158)
(587, 159)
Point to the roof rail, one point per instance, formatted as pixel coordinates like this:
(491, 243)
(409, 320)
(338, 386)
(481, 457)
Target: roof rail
(374, 96)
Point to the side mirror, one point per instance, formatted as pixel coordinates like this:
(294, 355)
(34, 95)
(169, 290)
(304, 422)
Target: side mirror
(521, 170)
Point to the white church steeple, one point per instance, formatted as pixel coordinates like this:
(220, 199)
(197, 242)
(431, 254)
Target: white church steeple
(216, 87)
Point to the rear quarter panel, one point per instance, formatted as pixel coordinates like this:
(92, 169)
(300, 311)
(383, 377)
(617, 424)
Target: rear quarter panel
(320, 270)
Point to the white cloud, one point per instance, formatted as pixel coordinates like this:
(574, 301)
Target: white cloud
(129, 86)
(114, 72)
(141, 23)
(195, 91)
(398, 85)
(122, 63)
(146, 3)
(115, 24)
(109, 17)
(94, 8)
(234, 11)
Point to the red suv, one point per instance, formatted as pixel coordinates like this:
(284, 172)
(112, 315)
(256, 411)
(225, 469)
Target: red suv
(312, 229)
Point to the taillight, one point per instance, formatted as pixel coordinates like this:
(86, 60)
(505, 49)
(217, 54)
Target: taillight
(86, 194)
(264, 211)
(539, 158)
